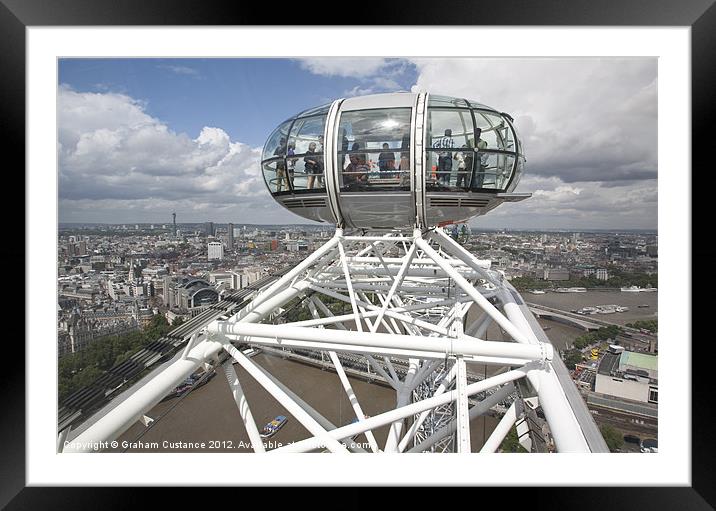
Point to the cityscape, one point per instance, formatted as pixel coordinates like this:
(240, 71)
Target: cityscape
(386, 255)
(593, 293)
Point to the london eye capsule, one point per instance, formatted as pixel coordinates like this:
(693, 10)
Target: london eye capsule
(394, 161)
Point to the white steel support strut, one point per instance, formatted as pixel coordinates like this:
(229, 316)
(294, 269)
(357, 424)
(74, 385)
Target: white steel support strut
(405, 411)
(238, 393)
(347, 387)
(293, 408)
(501, 431)
(318, 337)
(320, 419)
(470, 290)
(567, 433)
(463, 419)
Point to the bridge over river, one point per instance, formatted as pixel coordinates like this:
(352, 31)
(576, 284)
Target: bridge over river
(575, 320)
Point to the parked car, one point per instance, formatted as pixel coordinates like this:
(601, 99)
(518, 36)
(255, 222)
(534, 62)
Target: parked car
(649, 445)
(632, 439)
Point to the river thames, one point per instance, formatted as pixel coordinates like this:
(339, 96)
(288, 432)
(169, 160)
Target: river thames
(209, 414)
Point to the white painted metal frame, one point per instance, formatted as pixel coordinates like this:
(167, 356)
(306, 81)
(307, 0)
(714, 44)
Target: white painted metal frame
(408, 298)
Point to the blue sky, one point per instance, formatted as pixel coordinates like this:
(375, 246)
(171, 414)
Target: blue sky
(141, 138)
(247, 98)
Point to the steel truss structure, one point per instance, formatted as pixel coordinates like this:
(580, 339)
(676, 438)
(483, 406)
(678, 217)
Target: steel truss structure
(409, 298)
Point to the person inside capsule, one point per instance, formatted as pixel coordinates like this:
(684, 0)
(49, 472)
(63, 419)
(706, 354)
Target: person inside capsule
(355, 175)
(291, 161)
(386, 161)
(313, 165)
(320, 161)
(479, 175)
(464, 166)
(281, 165)
(445, 157)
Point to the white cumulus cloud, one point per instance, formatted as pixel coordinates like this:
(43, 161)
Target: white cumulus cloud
(113, 153)
(589, 132)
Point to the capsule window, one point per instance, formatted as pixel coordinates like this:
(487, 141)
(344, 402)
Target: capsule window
(458, 177)
(277, 142)
(276, 175)
(304, 155)
(374, 149)
(451, 136)
(305, 132)
(323, 109)
(445, 101)
(492, 171)
(495, 131)
(306, 171)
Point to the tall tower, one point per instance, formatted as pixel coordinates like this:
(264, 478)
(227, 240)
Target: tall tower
(174, 224)
(230, 237)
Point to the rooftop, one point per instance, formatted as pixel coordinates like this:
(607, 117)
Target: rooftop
(609, 363)
(639, 360)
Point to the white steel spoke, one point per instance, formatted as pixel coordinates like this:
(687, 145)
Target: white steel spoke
(238, 393)
(481, 300)
(352, 397)
(347, 387)
(500, 432)
(463, 420)
(405, 411)
(293, 408)
(351, 294)
(394, 381)
(397, 281)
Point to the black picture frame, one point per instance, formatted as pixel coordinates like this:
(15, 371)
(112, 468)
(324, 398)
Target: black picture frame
(700, 15)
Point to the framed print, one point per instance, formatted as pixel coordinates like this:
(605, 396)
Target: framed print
(190, 161)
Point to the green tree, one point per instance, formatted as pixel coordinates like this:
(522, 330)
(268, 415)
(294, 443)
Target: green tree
(511, 443)
(572, 358)
(612, 437)
(649, 324)
(80, 369)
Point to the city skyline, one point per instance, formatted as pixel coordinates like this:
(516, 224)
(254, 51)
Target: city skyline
(141, 138)
(158, 225)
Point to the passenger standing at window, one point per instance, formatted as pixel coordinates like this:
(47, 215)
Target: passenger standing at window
(319, 150)
(386, 161)
(281, 164)
(479, 176)
(313, 164)
(461, 157)
(291, 161)
(445, 157)
(469, 159)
